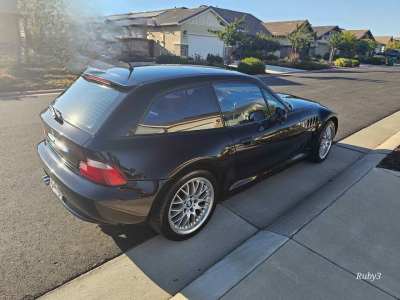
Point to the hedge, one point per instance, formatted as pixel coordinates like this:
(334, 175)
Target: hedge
(251, 66)
(346, 62)
(373, 60)
(302, 65)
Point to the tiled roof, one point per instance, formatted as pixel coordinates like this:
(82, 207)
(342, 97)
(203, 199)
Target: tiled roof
(321, 30)
(359, 33)
(397, 38)
(282, 27)
(252, 24)
(383, 39)
(177, 15)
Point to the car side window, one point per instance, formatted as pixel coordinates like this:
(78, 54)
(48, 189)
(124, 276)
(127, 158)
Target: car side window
(272, 102)
(238, 102)
(187, 109)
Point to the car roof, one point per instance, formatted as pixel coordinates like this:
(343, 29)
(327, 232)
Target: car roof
(143, 74)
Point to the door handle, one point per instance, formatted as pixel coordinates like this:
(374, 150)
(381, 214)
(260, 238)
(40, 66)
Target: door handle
(247, 141)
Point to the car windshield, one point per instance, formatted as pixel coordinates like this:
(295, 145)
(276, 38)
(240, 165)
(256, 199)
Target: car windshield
(85, 103)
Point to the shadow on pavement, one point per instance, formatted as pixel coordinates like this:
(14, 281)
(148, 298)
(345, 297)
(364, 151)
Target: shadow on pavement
(128, 236)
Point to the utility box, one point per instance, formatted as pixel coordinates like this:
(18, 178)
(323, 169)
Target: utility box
(389, 61)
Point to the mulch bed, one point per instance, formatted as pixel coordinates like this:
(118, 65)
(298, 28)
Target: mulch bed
(392, 161)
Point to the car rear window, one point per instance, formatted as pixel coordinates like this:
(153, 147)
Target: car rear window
(85, 103)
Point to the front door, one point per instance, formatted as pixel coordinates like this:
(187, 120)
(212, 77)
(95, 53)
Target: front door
(260, 142)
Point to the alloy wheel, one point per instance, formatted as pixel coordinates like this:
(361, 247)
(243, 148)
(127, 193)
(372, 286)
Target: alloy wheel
(191, 205)
(326, 141)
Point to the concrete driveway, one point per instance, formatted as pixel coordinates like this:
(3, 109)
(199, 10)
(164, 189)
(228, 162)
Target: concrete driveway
(42, 245)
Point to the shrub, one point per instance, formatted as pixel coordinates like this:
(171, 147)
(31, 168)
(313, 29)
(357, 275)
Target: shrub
(376, 60)
(271, 57)
(255, 54)
(173, 59)
(293, 57)
(343, 62)
(318, 56)
(326, 55)
(251, 66)
(214, 59)
(310, 65)
(355, 63)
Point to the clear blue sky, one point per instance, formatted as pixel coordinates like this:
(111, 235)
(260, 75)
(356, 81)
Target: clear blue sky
(381, 17)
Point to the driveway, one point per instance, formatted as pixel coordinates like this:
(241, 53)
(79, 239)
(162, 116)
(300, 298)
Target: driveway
(42, 245)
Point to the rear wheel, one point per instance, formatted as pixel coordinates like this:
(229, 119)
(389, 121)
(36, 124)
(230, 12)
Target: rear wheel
(187, 206)
(323, 143)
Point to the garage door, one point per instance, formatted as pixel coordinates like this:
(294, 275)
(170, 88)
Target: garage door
(200, 44)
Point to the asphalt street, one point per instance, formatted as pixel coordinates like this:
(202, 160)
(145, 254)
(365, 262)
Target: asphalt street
(42, 245)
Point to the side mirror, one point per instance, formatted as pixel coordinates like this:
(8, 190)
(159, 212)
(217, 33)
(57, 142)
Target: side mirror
(257, 115)
(281, 114)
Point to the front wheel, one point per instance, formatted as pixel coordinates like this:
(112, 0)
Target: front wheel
(187, 207)
(323, 143)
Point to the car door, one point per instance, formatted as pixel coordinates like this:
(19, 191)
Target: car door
(260, 142)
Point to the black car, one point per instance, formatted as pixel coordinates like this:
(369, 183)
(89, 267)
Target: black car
(163, 144)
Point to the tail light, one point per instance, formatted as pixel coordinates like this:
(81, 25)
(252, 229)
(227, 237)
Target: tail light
(102, 173)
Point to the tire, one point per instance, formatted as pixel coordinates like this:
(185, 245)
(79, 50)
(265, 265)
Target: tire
(190, 204)
(315, 152)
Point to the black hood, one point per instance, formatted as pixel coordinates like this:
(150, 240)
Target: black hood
(296, 103)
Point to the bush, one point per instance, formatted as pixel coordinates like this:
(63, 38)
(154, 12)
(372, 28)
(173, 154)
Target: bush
(318, 56)
(214, 59)
(376, 60)
(309, 65)
(326, 55)
(271, 57)
(255, 54)
(173, 59)
(251, 66)
(346, 62)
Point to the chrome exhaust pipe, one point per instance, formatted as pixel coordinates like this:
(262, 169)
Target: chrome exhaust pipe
(46, 179)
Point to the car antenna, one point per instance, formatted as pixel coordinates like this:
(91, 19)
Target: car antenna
(131, 68)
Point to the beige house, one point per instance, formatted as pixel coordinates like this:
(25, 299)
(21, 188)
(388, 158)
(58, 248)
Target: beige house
(323, 33)
(10, 35)
(381, 42)
(279, 29)
(184, 31)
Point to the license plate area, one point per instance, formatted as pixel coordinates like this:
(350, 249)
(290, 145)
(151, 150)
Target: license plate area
(56, 189)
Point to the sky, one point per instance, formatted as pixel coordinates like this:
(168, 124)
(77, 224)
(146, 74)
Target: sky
(381, 17)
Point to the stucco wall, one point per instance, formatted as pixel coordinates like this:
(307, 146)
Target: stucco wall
(9, 29)
(165, 37)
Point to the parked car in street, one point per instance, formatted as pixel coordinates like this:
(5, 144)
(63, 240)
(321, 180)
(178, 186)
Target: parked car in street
(164, 144)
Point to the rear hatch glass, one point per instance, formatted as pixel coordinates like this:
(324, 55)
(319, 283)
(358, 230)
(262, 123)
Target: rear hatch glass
(86, 104)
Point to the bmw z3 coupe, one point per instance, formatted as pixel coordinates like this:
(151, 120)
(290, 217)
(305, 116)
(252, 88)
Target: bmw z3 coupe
(163, 144)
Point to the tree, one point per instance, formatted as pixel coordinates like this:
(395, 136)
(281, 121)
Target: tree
(348, 43)
(366, 46)
(334, 42)
(265, 43)
(232, 35)
(301, 37)
(394, 45)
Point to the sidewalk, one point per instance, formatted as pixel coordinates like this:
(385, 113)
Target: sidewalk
(342, 220)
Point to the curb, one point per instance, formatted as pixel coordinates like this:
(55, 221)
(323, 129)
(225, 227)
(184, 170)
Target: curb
(27, 93)
(301, 72)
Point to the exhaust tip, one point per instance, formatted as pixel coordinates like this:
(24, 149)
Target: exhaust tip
(46, 179)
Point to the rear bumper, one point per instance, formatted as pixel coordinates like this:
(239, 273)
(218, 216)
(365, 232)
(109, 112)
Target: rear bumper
(129, 204)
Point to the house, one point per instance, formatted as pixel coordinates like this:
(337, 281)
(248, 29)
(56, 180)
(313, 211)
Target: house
(184, 31)
(322, 34)
(10, 34)
(279, 29)
(361, 34)
(381, 42)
